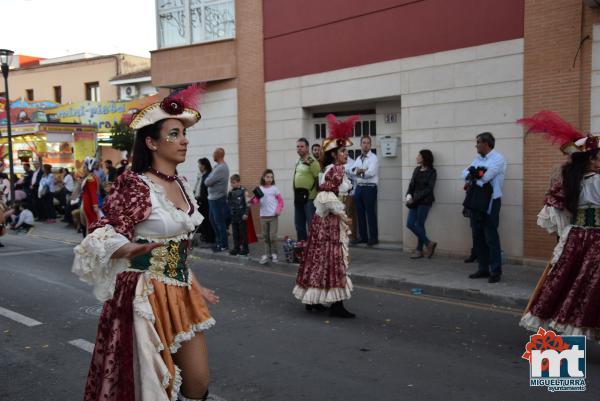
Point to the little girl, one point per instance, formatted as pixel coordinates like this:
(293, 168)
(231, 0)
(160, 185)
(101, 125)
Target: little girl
(271, 205)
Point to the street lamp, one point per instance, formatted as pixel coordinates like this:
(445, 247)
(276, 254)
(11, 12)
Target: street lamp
(5, 61)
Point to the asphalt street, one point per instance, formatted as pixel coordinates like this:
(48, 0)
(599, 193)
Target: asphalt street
(265, 346)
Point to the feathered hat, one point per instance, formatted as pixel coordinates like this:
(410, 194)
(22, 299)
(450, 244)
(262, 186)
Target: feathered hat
(339, 132)
(182, 105)
(560, 132)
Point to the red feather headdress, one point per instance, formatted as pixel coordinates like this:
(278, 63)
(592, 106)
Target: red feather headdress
(340, 132)
(558, 131)
(182, 105)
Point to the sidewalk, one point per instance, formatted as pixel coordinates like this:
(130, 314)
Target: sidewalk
(384, 267)
(393, 269)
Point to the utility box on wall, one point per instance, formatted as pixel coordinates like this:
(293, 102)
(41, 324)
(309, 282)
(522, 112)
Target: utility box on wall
(388, 146)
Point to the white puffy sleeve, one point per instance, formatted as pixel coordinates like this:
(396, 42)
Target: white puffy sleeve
(327, 202)
(93, 263)
(553, 219)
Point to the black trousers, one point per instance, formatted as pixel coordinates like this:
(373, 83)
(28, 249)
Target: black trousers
(487, 240)
(239, 234)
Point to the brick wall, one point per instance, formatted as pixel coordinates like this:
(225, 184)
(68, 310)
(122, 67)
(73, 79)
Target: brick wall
(555, 80)
(251, 94)
(251, 91)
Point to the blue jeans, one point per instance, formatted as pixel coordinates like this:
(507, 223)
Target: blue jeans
(365, 199)
(217, 215)
(303, 215)
(416, 223)
(487, 240)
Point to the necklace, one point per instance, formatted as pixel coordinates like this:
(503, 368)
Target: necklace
(169, 178)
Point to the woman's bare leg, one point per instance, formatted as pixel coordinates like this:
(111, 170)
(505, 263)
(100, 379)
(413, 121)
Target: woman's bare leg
(192, 359)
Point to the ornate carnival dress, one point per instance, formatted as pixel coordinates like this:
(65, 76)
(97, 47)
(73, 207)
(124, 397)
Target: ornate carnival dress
(323, 273)
(567, 296)
(153, 302)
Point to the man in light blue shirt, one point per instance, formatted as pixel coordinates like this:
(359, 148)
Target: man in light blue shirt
(485, 225)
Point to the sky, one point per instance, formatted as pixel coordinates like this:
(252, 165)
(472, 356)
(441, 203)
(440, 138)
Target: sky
(55, 28)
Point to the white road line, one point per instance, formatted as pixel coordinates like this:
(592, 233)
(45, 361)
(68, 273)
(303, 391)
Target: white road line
(83, 344)
(17, 317)
(38, 251)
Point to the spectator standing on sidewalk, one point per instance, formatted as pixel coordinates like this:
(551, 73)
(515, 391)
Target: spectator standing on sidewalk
(236, 199)
(205, 230)
(486, 173)
(271, 206)
(366, 173)
(349, 201)
(68, 188)
(419, 199)
(315, 149)
(27, 176)
(122, 167)
(36, 202)
(111, 171)
(46, 193)
(217, 182)
(5, 186)
(99, 172)
(306, 174)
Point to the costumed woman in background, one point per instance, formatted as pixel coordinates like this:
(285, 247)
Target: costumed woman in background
(90, 185)
(567, 297)
(150, 343)
(323, 273)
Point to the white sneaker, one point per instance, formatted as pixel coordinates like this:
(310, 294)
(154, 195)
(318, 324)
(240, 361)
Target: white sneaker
(274, 257)
(264, 259)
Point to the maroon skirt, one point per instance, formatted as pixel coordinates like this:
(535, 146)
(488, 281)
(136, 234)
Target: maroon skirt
(568, 298)
(322, 276)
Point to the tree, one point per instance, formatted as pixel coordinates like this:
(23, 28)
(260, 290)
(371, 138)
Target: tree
(122, 137)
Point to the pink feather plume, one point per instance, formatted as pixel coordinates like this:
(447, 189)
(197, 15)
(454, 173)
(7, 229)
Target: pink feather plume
(554, 128)
(341, 129)
(190, 96)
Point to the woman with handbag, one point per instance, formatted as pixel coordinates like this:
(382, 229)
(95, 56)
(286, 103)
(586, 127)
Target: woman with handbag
(419, 199)
(201, 192)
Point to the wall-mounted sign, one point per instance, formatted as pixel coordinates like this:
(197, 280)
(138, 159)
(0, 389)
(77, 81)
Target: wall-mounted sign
(391, 118)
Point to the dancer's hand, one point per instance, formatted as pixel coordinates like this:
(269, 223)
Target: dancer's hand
(132, 250)
(209, 295)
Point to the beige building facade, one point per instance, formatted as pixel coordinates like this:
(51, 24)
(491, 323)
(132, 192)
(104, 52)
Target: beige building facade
(70, 80)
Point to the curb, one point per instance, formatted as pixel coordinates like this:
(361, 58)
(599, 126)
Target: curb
(469, 295)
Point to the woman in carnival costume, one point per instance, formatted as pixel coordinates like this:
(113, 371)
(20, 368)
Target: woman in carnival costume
(90, 186)
(323, 273)
(150, 344)
(567, 297)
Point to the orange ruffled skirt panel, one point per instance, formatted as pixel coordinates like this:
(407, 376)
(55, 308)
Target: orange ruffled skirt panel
(179, 313)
